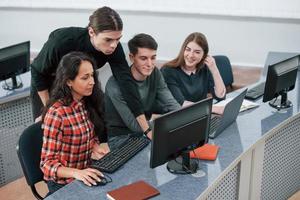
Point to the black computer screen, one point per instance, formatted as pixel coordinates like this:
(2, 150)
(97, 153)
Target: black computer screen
(178, 132)
(14, 60)
(281, 78)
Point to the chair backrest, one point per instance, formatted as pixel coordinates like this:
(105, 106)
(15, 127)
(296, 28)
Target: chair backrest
(29, 153)
(225, 69)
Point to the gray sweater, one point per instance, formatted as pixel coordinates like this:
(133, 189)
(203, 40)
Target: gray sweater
(155, 97)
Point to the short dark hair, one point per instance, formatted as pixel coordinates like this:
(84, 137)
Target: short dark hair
(141, 40)
(105, 18)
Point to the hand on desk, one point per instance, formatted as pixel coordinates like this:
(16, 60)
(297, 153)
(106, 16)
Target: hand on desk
(99, 150)
(217, 109)
(88, 176)
(187, 103)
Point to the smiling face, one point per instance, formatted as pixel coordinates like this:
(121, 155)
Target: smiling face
(105, 41)
(143, 63)
(193, 54)
(83, 83)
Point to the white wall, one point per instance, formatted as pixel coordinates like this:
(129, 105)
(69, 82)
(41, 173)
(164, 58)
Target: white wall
(246, 40)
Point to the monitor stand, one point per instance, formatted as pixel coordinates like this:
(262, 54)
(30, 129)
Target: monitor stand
(14, 84)
(183, 164)
(281, 102)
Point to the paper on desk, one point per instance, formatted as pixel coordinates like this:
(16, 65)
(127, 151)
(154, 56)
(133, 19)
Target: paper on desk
(245, 105)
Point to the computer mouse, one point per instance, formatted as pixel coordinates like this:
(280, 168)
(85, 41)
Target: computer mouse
(103, 181)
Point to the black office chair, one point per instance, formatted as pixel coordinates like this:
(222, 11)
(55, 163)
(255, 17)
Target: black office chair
(224, 66)
(29, 153)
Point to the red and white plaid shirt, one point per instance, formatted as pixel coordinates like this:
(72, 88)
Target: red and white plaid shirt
(68, 140)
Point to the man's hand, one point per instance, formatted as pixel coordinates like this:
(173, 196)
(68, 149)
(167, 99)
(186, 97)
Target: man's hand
(187, 103)
(149, 135)
(99, 150)
(218, 109)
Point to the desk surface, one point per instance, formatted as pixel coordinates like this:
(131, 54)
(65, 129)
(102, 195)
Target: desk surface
(249, 127)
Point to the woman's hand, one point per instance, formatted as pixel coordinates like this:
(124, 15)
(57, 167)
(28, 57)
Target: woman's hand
(88, 176)
(220, 89)
(210, 63)
(99, 150)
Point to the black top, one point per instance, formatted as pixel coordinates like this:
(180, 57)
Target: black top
(184, 87)
(65, 40)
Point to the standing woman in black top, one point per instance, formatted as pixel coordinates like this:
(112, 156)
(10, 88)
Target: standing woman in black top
(100, 40)
(194, 73)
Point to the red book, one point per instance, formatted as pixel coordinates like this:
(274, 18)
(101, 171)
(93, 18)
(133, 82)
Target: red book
(205, 152)
(135, 191)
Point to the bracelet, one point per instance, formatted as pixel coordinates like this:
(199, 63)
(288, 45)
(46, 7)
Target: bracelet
(147, 131)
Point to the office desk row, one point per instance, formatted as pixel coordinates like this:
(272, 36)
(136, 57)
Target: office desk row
(15, 116)
(258, 159)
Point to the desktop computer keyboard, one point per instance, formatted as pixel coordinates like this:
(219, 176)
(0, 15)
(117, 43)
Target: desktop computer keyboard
(116, 158)
(256, 92)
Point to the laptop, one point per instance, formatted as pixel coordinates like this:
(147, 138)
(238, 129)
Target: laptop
(219, 122)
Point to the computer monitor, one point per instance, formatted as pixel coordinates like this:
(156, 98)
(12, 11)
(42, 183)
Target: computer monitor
(281, 78)
(176, 133)
(274, 57)
(14, 60)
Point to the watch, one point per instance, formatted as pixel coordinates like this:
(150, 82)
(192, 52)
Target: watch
(147, 131)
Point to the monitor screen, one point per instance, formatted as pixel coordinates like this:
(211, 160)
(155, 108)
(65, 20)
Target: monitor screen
(281, 78)
(14, 60)
(176, 133)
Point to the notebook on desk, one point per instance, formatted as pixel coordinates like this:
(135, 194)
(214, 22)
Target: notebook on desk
(219, 122)
(139, 190)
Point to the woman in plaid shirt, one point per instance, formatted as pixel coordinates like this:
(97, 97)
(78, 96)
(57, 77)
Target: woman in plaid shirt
(73, 123)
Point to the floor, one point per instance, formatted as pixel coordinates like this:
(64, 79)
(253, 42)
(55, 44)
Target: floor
(18, 189)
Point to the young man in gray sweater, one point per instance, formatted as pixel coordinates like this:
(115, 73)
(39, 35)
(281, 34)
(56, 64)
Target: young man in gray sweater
(153, 91)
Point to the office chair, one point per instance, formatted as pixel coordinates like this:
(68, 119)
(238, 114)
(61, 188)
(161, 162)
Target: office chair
(29, 153)
(225, 69)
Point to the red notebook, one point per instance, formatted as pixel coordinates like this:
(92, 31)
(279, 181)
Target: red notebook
(205, 152)
(135, 191)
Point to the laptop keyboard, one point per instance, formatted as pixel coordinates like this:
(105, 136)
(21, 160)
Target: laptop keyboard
(256, 91)
(214, 124)
(119, 156)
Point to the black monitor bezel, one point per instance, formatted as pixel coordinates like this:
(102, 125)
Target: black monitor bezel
(272, 88)
(159, 153)
(21, 69)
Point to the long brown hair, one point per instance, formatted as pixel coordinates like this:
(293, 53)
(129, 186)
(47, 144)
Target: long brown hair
(197, 37)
